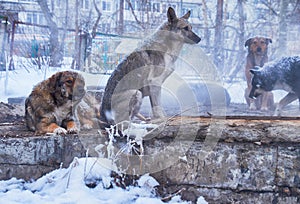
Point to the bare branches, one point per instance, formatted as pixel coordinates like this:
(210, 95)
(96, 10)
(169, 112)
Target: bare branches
(99, 14)
(134, 15)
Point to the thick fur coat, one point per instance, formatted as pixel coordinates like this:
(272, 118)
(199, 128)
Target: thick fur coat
(50, 106)
(283, 74)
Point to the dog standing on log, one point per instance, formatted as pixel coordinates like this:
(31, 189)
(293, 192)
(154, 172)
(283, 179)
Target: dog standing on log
(88, 110)
(143, 72)
(50, 106)
(257, 56)
(283, 74)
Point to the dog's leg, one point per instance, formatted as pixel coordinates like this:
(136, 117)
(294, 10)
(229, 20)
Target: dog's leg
(252, 105)
(290, 97)
(135, 106)
(155, 97)
(266, 97)
(141, 117)
(251, 102)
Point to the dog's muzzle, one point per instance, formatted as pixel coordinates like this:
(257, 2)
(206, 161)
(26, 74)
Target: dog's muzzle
(78, 93)
(258, 49)
(193, 38)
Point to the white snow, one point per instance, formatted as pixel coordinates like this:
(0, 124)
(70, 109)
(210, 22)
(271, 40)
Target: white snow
(68, 185)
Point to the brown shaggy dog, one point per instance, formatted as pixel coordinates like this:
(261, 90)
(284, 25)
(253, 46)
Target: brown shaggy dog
(50, 106)
(257, 56)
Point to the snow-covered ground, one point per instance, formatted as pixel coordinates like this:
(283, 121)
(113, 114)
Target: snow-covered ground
(69, 186)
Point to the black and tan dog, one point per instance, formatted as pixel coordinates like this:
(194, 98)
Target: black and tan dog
(144, 71)
(282, 74)
(50, 106)
(257, 56)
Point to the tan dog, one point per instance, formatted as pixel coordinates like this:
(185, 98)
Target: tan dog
(88, 110)
(51, 104)
(257, 56)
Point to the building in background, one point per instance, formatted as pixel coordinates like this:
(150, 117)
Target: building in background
(121, 20)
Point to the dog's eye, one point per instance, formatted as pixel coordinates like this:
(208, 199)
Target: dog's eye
(69, 81)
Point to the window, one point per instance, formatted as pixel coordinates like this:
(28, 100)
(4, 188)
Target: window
(156, 7)
(29, 18)
(34, 18)
(106, 5)
(164, 8)
(84, 4)
(41, 19)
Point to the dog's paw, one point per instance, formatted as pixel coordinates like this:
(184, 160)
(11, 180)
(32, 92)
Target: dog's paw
(264, 109)
(87, 126)
(60, 131)
(277, 112)
(252, 106)
(148, 119)
(73, 130)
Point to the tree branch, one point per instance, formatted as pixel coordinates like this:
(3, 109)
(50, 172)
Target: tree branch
(94, 30)
(134, 15)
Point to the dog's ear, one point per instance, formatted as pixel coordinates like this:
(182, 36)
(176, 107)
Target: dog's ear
(187, 15)
(269, 40)
(171, 15)
(248, 42)
(54, 81)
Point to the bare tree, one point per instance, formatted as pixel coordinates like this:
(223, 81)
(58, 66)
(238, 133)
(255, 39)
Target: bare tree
(241, 39)
(90, 37)
(121, 18)
(84, 37)
(134, 15)
(206, 25)
(218, 41)
(282, 39)
(76, 57)
(56, 54)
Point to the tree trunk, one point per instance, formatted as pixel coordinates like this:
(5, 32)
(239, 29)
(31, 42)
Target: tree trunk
(56, 54)
(218, 43)
(241, 37)
(121, 18)
(282, 39)
(206, 30)
(76, 59)
(65, 26)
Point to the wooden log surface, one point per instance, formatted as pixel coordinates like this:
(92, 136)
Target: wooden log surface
(225, 159)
